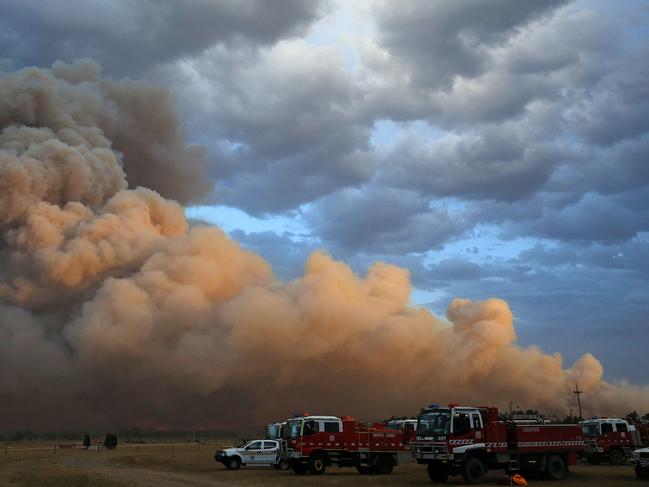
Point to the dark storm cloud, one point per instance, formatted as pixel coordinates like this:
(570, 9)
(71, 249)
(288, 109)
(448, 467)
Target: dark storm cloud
(127, 37)
(494, 163)
(382, 220)
(284, 125)
(594, 217)
(445, 39)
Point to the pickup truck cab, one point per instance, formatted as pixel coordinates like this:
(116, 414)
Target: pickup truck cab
(253, 453)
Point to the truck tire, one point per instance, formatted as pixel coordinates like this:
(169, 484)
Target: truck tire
(365, 469)
(384, 465)
(616, 456)
(473, 470)
(232, 463)
(317, 464)
(437, 473)
(555, 467)
(282, 464)
(299, 468)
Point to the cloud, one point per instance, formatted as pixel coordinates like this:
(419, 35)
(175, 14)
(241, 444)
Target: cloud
(128, 38)
(382, 220)
(441, 40)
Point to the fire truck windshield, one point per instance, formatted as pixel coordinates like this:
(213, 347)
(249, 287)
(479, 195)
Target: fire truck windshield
(272, 431)
(590, 429)
(293, 428)
(436, 422)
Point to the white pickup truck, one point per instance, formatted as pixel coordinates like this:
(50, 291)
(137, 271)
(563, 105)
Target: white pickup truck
(253, 453)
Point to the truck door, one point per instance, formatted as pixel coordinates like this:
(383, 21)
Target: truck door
(478, 431)
(462, 431)
(252, 452)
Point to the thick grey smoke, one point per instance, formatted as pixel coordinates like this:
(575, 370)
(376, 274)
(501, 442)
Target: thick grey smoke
(114, 312)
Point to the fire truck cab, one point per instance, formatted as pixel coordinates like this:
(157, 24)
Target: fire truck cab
(274, 431)
(611, 439)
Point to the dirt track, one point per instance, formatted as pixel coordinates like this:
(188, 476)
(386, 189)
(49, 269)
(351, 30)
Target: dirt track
(183, 465)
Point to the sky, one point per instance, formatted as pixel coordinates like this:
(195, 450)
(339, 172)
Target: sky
(492, 148)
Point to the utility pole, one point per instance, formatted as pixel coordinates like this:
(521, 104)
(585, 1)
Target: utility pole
(578, 392)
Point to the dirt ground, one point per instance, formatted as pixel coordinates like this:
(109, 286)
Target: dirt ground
(175, 465)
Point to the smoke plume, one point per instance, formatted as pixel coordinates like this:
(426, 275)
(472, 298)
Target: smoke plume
(114, 312)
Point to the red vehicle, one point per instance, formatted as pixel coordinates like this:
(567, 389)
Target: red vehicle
(467, 441)
(609, 439)
(315, 442)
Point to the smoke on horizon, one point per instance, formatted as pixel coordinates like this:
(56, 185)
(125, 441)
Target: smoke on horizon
(114, 312)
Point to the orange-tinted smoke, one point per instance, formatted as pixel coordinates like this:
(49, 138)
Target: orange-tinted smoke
(114, 313)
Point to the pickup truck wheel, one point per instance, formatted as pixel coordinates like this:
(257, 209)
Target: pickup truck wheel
(555, 467)
(232, 463)
(438, 474)
(616, 456)
(473, 470)
(299, 468)
(317, 464)
(281, 465)
(384, 465)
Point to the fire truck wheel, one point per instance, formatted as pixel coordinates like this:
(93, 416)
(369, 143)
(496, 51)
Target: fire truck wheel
(317, 464)
(438, 473)
(233, 463)
(617, 456)
(555, 467)
(364, 470)
(384, 465)
(299, 468)
(473, 470)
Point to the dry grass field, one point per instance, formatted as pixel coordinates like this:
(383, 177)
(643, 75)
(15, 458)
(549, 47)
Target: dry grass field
(184, 464)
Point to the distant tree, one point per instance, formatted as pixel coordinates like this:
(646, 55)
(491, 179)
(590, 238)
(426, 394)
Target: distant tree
(110, 442)
(646, 416)
(634, 417)
(18, 436)
(86, 441)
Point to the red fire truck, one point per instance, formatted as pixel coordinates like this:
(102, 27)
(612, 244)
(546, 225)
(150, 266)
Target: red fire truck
(314, 442)
(467, 441)
(611, 439)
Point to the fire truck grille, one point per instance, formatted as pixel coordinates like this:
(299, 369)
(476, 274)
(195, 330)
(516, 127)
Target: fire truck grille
(438, 447)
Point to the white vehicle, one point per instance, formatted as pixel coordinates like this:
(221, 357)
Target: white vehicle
(253, 453)
(641, 460)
